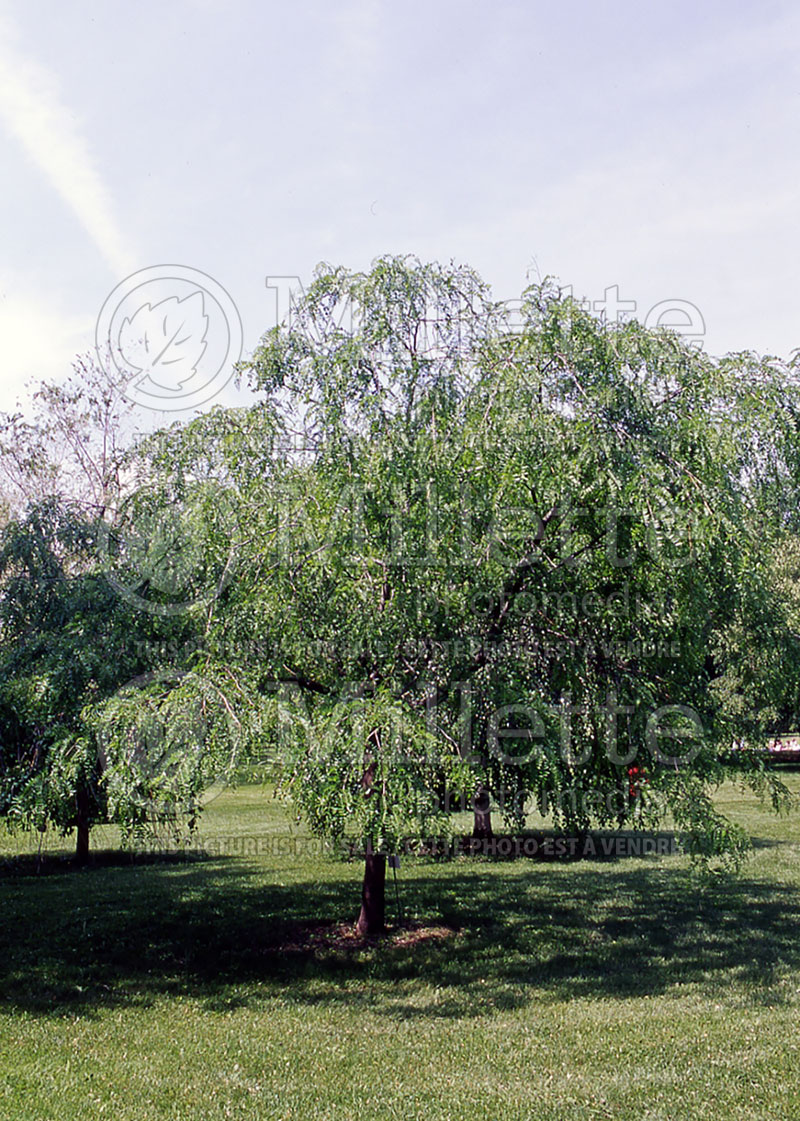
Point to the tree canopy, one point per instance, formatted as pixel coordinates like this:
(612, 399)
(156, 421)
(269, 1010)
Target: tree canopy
(465, 559)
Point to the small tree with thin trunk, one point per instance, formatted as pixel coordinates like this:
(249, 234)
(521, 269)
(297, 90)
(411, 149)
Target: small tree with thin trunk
(89, 730)
(66, 639)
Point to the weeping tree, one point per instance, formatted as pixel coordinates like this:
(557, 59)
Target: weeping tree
(103, 716)
(66, 641)
(504, 559)
(168, 742)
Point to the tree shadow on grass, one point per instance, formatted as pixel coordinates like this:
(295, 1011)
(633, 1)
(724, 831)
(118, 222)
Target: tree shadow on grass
(219, 931)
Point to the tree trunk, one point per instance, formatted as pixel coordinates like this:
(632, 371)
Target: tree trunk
(481, 804)
(373, 894)
(82, 843)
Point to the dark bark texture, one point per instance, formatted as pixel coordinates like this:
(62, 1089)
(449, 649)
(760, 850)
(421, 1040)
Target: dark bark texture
(82, 842)
(482, 827)
(372, 919)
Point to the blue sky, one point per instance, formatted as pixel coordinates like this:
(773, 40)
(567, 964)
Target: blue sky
(653, 147)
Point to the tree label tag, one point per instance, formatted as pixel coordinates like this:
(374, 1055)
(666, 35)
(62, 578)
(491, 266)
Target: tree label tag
(394, 861)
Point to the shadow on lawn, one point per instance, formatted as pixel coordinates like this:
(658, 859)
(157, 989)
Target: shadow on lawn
(73, 942)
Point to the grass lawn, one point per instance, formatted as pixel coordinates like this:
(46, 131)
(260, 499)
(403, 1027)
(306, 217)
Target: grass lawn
(194, 989)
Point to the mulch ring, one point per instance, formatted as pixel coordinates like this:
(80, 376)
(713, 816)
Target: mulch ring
(323, 939)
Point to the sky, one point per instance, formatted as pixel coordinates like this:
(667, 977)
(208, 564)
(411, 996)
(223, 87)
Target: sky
(650, 151)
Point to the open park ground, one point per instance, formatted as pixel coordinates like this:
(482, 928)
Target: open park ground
(231, 985)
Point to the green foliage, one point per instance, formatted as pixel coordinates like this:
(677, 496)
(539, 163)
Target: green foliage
(366, 766)
(445, 551)
(546, 536)
(68, 642)
(168, 743)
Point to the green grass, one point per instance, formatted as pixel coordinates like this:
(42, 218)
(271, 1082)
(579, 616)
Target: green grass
(194, 989)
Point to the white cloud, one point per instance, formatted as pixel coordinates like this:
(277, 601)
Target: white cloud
(33, 110)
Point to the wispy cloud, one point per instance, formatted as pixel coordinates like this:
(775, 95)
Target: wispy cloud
(33, 110)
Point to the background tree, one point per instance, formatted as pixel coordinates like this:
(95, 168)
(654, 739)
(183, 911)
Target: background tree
(65, 641)
(69, 442)
(104, 590)
(103, 716)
